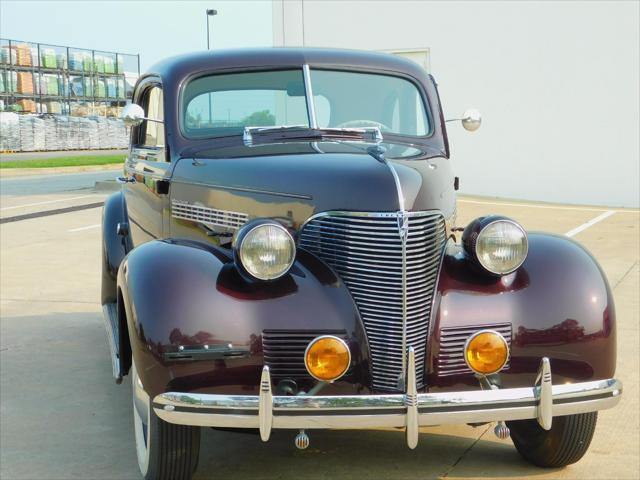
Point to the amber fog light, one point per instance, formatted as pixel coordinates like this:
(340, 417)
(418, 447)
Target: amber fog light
(486, 352)
(327, 358)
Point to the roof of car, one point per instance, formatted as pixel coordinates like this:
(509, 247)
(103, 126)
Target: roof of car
(178, 67)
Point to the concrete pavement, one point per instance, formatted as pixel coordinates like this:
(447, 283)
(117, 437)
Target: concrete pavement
(15, 189)
(64, 417)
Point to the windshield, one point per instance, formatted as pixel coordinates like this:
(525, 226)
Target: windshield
(223, 105)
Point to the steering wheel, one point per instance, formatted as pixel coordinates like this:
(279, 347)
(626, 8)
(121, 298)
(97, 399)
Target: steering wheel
(363, 124)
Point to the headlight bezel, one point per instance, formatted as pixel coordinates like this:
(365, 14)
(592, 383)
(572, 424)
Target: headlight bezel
(243, 233)
(472, 233)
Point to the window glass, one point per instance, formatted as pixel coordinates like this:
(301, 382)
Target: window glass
(222, 105)
(153, 132)
(350, 99)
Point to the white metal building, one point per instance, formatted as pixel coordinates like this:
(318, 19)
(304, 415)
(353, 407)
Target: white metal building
(557, 84)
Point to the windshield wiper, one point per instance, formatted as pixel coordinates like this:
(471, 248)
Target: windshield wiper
(249, 132)
(364, 134)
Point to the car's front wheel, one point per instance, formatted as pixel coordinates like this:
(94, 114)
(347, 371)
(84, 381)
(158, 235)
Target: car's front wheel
(164, 450)
(566, 442)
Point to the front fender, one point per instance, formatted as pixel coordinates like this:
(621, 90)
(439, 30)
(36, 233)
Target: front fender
(558, 303)
(115, 245)
(182, 293)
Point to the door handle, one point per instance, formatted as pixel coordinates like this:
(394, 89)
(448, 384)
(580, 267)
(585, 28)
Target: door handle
(125, 180)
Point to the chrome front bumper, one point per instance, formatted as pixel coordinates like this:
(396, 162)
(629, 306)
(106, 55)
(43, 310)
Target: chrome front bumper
(411, 410)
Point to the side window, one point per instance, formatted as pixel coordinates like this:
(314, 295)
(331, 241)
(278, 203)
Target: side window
(152, 133)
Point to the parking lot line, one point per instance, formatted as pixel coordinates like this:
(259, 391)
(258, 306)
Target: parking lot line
(46, 202)
(590, 223)
(89, 227)
(48, 213)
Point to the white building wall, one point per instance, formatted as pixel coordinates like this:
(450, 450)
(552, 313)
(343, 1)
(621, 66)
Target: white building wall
(557, 84)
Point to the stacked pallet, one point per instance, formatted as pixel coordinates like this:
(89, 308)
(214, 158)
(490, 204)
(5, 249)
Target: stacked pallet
(25, 123)
(25, 83)
(57, 132)
(27, 105)
(10, 138)
(23, 55)
(51, 141)
(48, 58)
(39, 133)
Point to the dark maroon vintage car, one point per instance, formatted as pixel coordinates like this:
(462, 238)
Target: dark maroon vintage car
(284, 255)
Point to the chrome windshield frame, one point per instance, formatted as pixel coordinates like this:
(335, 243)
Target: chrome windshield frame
(311, 108)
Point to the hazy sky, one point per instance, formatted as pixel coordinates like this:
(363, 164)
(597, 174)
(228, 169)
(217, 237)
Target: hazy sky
(154, 29)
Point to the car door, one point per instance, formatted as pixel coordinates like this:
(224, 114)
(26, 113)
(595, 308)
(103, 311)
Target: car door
(147, 169)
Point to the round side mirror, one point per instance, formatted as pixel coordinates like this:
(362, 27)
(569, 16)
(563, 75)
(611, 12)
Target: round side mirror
(132, 115)
(471, 120)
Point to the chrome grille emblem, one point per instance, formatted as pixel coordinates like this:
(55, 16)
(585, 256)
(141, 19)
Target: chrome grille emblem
(389, 262)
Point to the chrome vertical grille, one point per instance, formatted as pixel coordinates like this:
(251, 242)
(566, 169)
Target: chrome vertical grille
(393, 291)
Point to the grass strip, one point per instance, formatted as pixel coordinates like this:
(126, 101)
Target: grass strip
(64, 162)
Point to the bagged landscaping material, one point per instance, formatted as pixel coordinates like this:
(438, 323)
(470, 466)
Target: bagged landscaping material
(87, 62)
(53, 86)
(35, 61)
(9, 126)
(99, 88)
(23, 55)
(48, 58)
(26, 105)
(50, 133)
(98, 63)
(61, 61)
(111, 87)
(75, 61)
(54, 107)
(6, 54)
(121, 90)
(38, 133)
(92, 132)
(120, 133)
(62, 132)
(26, 133)
(109, 65)
(25, 83)
(79, 110)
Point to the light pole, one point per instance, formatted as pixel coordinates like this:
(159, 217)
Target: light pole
(210, 13)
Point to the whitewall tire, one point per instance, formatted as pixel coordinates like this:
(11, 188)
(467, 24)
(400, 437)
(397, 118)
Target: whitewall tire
(165, 451)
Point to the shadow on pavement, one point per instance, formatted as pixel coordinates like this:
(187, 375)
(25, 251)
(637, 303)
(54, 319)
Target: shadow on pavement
(59, 400)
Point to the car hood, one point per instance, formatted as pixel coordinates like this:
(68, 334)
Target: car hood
(292, 181)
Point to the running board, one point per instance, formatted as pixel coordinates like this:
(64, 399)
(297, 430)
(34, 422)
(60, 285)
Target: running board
(110, 316)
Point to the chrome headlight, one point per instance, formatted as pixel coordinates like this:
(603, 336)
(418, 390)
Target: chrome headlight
(264, 249)
(498, 244)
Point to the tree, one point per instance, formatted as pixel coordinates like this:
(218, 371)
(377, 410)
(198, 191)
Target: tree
(259, 119)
